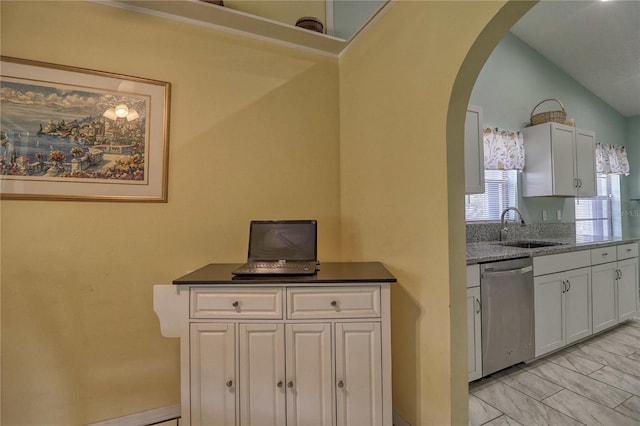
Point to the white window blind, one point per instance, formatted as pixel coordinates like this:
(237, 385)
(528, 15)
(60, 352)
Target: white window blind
(594, 215)
(500, 192)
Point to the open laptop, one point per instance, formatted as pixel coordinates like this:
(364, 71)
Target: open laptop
(281, 247)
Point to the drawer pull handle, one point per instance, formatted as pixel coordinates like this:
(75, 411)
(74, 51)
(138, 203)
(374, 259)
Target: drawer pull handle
(235, 304)
(340, 384)
(290, 384)
(605, 254)
(280, 384)
(628, 250)
(334, 303)
(229, 383)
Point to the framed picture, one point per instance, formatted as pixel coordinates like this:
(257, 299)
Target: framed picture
(76, 134)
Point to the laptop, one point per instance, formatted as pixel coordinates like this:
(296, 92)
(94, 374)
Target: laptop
(281, 247)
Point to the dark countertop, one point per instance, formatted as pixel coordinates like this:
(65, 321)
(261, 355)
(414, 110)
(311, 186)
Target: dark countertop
(329, 272)
(491, 251)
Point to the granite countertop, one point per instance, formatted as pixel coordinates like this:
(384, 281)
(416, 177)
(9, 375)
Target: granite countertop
(490, 251)
(328, 272)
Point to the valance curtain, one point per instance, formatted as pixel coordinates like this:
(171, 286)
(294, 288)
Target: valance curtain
(503, 149)
(611, 159)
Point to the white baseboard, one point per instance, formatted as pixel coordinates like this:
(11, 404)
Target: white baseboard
(144, 418)
(399, 421)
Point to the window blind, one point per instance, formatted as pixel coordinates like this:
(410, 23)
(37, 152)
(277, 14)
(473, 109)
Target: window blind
(500, 193)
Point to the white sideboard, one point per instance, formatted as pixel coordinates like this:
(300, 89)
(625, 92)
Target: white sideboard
(282, 350)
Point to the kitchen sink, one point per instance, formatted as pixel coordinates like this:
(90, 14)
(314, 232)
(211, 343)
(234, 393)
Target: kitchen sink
(530, 244)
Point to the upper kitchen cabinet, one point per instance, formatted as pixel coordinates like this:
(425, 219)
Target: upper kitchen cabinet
(473, 151)
(560, 161)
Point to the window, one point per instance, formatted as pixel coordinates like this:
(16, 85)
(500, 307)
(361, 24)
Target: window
(595, 215)
(500, 192)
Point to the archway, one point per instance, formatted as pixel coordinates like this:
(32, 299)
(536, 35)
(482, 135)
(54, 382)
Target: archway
(460, 94)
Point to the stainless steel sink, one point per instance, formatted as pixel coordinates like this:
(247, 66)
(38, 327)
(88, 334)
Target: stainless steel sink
(529, 244)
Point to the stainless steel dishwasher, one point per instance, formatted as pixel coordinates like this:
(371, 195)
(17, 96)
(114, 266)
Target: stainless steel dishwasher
(506, 292)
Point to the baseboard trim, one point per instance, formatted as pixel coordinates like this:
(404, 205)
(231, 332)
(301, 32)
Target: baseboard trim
(144, 418)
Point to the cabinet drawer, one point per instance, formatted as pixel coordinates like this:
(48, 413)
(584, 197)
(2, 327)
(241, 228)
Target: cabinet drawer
(627, 251)
(333, 302)
(236, 303)
(552, 263)
(603, 255)
(473, 276)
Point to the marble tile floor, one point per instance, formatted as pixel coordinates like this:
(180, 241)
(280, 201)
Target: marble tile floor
(595, 382)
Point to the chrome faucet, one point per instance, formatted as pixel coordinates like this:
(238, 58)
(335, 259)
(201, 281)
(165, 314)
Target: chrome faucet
(503, 222)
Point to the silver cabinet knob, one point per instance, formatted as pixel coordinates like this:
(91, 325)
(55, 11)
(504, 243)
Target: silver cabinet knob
(340, 384)
(334, 303)
(280, 384)
(290, 384)
(229, 383)
(235, 304)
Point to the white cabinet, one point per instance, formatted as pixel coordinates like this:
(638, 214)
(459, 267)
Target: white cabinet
(358, 379)
(282, 353)
(474, 334)
(474, 323)
(560, 161)
(615, 285)
(562, 293)
(473, 151)
(562, 309)
(212, 379)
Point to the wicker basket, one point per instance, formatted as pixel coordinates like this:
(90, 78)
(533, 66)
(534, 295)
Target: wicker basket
(557, 116)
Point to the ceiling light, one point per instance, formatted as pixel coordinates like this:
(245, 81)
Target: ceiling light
(121, 110)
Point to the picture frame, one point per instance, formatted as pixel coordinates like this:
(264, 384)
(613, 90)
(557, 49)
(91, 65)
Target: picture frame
(71, 134)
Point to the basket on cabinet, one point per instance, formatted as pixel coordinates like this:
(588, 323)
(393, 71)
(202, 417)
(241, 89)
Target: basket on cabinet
(557, 116)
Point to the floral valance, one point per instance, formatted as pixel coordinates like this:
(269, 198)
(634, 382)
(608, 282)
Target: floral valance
(611, 159)
(503, 149)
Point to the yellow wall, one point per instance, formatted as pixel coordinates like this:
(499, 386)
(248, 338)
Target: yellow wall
(403, 97)
(254, 128)
(378, 139)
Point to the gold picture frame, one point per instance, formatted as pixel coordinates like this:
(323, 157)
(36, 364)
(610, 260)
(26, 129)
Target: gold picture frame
(69, 133)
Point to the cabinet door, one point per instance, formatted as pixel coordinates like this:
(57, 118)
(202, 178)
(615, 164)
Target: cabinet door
(627, 289)
(586, 163)
(358, 374)
(213, 365)
(473, 151)
(309, 375)
(474, 337)
(549, 312)
(603, 296)
(562, 142)
(577, 303)
(262, 374)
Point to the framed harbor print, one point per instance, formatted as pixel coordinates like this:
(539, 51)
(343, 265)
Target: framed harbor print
(76, 134)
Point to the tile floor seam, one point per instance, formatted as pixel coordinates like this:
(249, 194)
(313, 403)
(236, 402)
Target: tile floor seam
(605, 353)
(617, 387)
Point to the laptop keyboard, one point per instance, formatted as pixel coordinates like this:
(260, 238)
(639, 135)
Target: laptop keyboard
(277, 265)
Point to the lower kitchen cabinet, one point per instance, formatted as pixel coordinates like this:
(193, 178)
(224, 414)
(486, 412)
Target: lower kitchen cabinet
(627, 289)
(615, 287)
(283, 353)
(562, 309)
(474, 336)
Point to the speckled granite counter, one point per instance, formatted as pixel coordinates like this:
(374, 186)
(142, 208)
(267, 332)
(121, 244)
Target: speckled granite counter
(490, 251)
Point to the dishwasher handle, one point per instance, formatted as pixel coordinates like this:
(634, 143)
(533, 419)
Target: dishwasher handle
(509, 272)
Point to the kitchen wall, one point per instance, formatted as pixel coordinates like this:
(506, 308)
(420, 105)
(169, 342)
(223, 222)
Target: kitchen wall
(631, 208)
(254, 127)
(514, 80)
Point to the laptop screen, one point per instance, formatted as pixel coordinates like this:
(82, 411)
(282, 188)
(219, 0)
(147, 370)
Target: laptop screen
(283, 240)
